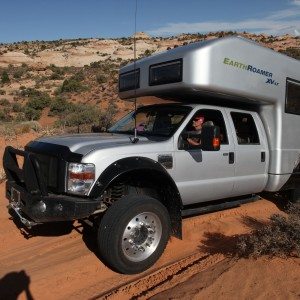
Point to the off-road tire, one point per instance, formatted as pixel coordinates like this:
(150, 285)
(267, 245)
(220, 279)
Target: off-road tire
(147, 220)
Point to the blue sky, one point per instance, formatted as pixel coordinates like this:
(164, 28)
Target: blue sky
(55, 19)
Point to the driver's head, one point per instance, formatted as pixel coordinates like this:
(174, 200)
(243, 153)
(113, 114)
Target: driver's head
(198, 121)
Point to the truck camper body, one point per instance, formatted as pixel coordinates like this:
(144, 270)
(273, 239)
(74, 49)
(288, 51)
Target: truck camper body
(233, 72)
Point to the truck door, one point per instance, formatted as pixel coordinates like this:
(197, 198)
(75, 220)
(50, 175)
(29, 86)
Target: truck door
(250, 152)
(206, 175)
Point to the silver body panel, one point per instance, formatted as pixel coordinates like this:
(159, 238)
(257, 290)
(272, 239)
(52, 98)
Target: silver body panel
(239, 71)
(199, 175)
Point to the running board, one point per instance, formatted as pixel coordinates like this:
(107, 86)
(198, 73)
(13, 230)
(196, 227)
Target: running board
(219, 206)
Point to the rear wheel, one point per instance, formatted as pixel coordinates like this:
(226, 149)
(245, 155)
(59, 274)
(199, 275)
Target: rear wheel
(133, 233)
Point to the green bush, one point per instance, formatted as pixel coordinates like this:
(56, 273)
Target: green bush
(82, 114)
(17, 107)
(32, 114)
(39, 103)
(72, 85)
(5, 77)
(59, 106)
(57, 72)
(4, 102)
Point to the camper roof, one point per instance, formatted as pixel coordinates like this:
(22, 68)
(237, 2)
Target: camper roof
(231, 67)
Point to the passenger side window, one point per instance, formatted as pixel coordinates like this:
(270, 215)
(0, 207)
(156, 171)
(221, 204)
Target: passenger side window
(245, 128)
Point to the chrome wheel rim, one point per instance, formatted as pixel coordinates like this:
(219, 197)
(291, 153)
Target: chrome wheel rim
(141, 236)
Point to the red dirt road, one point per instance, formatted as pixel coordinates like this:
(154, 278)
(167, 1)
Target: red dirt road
(61, 263)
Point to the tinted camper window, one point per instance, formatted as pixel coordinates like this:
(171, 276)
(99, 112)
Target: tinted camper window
(292, 100)
(129, 80)
(167, 72)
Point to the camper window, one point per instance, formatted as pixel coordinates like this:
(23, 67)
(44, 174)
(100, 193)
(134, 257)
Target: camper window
(166, 72)
(245, 128)
(129, 80)
(292, 103)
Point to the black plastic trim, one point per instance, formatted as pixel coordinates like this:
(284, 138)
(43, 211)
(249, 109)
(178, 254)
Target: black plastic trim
(173, 200)
(59, 151)
(52, 208)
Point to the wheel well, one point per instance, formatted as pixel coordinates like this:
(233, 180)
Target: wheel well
(151, 183)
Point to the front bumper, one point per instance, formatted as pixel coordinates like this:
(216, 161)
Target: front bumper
(29, 198)
(50, 208)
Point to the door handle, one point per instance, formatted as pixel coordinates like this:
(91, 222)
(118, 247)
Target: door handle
(231, 157)
(263, 156)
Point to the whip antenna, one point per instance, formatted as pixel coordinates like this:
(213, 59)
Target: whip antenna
(135, 139)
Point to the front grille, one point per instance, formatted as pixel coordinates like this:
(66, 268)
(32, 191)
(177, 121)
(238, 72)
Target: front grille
(49, 171)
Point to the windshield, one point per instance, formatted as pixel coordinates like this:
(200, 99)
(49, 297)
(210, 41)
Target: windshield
(152, 120)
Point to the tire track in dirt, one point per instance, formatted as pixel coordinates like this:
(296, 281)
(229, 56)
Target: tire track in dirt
(164, 278)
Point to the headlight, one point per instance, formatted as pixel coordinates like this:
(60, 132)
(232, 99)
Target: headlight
(80, 178)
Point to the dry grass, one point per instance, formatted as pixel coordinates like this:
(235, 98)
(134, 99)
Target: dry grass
(2, 175)
(281, 237)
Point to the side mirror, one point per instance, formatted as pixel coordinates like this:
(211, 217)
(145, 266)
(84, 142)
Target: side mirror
(210, 138)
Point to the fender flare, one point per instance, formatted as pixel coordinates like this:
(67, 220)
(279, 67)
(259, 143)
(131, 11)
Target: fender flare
(136, 163)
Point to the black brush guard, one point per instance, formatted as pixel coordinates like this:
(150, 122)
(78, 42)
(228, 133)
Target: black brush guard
(29, 197)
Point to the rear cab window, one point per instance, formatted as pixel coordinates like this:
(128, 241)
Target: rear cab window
(245, 128)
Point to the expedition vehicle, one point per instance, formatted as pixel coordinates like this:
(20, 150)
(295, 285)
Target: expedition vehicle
(136, 189)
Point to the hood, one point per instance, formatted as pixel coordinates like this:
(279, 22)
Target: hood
(85, 143)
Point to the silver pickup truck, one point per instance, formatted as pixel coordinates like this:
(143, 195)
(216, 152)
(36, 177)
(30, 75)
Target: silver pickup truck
(136, 189)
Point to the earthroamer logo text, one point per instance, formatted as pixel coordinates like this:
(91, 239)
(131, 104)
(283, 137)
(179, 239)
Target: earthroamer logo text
(246, 67)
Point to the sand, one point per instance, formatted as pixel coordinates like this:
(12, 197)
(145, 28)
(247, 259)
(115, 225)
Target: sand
(60, 262)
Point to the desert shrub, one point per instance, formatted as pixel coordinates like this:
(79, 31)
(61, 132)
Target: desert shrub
(73, 84)
(20, 117)
(39, 102)
(106, 118)
(32, 114)
(5, 77)
(82, 114)
(59, 106)
(292, 52)
(57, 72)
(5, 116)
(25, 127)
(29, 92)
(18, 73)
(2, 92)
(100, 78)
(4, 102)
(279, 238)
(17, 107)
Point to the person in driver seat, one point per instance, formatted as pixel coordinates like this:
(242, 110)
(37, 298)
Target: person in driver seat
(198, 121)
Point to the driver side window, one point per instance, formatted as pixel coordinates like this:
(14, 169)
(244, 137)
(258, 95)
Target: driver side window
(191, 135)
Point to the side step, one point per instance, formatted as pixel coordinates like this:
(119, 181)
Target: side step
(225, 204)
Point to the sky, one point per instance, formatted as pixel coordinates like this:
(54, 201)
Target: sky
(30, 20)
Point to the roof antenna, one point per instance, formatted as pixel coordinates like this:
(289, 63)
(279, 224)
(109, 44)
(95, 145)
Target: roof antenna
(135, 139)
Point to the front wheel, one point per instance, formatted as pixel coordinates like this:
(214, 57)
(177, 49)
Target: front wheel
(133, 233)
